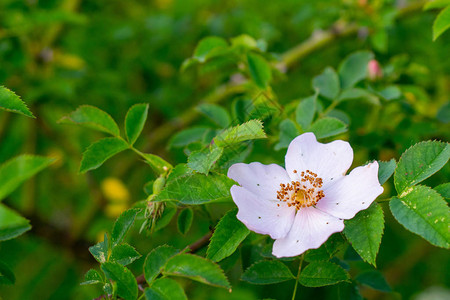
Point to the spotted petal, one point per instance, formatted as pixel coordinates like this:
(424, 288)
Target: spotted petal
(262, 216)
(262, 180)
(329, 161)
(352, 193)
(311, 229)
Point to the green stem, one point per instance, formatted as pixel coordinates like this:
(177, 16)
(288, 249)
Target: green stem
(298, 276)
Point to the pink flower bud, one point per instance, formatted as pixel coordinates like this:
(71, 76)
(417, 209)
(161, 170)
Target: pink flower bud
(374, 70)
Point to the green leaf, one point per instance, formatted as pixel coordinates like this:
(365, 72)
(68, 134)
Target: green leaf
(390, 92)
(304, 114)
(374, 279)
(358, 93)
(92, 277)
(135, 121)
(322, 273)
(185, 220)
(260, 70)
(436, 4)
(327, 127)
(6, 275)
(423, 211)
(267, 272)
(250, 130)
(18, 169)
(196, 268)
(228, 235)
(215, 113)
(207, 46)
(420, 162)
(288, 132)
(444, 190)
(327, 250)
(354, 68)
(11, 224)
(166, 216)
(364, 232)
(11, 102)
(127, 287)
(122, 225)
(442, 23)
(203, 160)
(100, 151)
(327, 83)
(188, 136)
(197, 189)
(158, 164)
(385, 170)
(100, 250)
(124, 254)
(165, 289)
(156, 260)
(92, 117)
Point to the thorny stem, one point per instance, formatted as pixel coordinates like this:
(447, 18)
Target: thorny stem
(298, 276)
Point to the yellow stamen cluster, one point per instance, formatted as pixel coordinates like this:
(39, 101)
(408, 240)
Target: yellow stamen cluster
(302, 193)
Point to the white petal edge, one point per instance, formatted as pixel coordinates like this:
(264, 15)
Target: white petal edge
(261, 180)
(352, 193)
(329, 161)
(310, 230)
(262, 216)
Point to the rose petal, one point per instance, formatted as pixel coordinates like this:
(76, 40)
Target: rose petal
(311, 229)
(261, 180)
(262, 216)
(329, 161)
(352, 193)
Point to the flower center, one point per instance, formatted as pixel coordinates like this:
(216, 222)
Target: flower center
(303, 193)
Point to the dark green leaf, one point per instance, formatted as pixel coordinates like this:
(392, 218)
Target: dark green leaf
(196, 268)
(327, 250)
(126, 283)
(354, 68)
(100, 151)
(423, 211)
(135, 121)
(260, 70)
(122, 225)
(92, 277)
(11, 224)
(228, 235)
(94, 118)
(166, 216)
(185, 220)
(322, 273)
(215, 113)
(304, 114)
(165, 289)
(444, 190)
(374, 279)
(327, 127)
(385, 170)
(288, 132)
(11, 102)
(124, 254)
(250, 130)
(420, 162)
(327, 83)
(156, 260)
(364, 232)
(442, 23)
(100, 250)
(267, 272)
(188, 136)
(203, 160)
(6, 275)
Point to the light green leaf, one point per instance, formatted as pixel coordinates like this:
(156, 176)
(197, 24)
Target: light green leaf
(442, 23)
(322, 273)
(100, 250)
(267, 272)
(197, 189)
(11, 102)
(6, 275)
(385, 170)
(196, 268)
(358, 93)
(374, 279)
(354, 68)
(327, 127)
(260, 70)
(304, 114)
(92, 117)
(122, 225)
(420, 162)
(203, 160)
(126, 283)
(100, 151)
(327, 84)
(18, 169)
(165, 289)
(158, 164)
(444, 190)
(135, 121)
(92, 277)
(327, 250)
(364, 232)
(156, 260)
(215, 113)
(188, 136)
(124, 254)
(11, 224)
(228, 235)
(250, 130)
(288, 132)
(423, 211)
(436, 4)
(207, 46)
(390, 92)
(185, 220)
